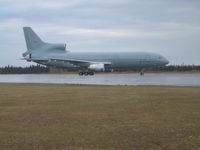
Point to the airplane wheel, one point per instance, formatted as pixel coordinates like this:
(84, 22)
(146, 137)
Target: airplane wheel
(141, 73)
(91, 73)
(80, 73)
(86, 73)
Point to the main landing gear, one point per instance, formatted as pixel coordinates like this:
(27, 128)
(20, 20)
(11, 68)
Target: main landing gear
(86, 73)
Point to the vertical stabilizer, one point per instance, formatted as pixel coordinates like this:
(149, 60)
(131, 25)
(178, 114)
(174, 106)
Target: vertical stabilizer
(33, 42)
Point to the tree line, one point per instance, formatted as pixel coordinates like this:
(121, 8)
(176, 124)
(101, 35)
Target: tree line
(169, 68)
(33, 69)
(36, 69)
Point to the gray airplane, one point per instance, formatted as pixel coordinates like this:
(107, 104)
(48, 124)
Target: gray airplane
(87, 62)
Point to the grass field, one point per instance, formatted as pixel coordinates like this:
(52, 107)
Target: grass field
(75, 117)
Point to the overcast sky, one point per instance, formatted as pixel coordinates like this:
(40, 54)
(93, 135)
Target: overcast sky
(168, 27)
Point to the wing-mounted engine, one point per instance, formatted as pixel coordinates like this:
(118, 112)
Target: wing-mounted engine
(97, 67)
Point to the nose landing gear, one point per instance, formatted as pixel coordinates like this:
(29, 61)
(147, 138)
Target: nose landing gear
(142, 72)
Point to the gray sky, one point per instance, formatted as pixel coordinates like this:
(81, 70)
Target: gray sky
(168, 27)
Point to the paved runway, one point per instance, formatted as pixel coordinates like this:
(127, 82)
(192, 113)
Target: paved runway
(106, 79)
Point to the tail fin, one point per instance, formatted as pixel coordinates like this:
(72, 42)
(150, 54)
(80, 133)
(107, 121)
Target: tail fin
(32, 40)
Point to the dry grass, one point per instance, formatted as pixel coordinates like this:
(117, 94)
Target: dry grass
(73, 117)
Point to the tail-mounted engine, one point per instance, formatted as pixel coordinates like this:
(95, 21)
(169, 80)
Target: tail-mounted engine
(58, 46)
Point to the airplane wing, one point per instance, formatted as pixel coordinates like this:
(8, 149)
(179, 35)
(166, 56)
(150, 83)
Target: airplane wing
(80, 63)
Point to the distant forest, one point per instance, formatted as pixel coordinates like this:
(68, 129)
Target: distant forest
(37, 69)
(33, 69)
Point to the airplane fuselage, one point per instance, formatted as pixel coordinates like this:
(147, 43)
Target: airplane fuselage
(117, 59)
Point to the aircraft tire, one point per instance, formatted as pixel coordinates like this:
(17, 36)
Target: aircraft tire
(91, 73)
(141, 73)
(85, 73)
(80, 73)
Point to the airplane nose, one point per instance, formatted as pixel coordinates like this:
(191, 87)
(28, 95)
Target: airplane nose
(165, 61)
